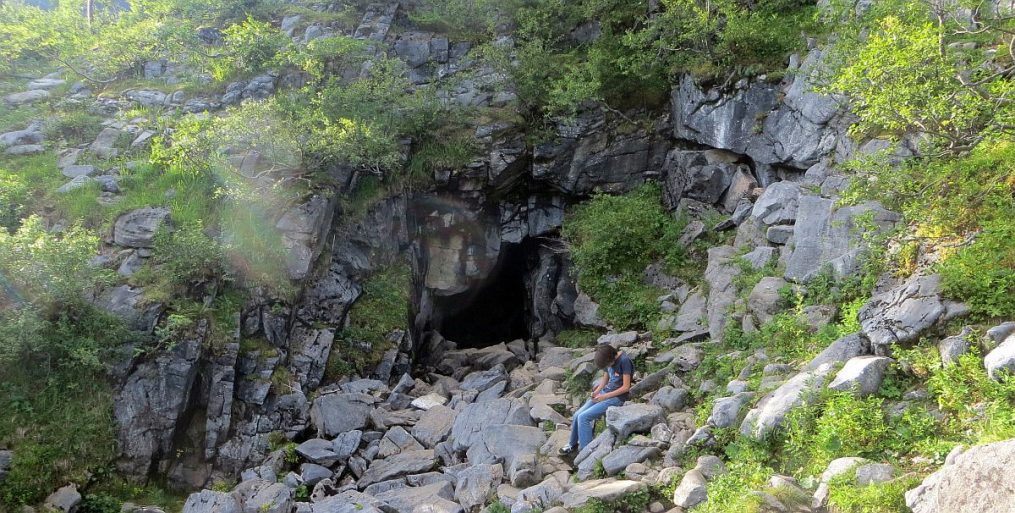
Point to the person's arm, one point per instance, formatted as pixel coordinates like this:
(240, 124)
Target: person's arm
(602, 383)
(624, 387)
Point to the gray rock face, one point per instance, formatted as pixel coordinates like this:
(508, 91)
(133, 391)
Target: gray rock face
(409, 462)
(207, 501)
(778, 204)
(396, 440)
(598, 448)
(843, 349)
(266, 497)
(795, 132)
(471, 422)
(691, 313)
(137, 228)
(863, 374)
(334, 414)
(221, 385)
(722, 292)
(310, 349)
(303, 228)
(346, 502)
(633, 418)
(824, 236)
(64, 500)
(477, 484)
(975, 481)
(903, 313)
(151, 401)
(700, 175)
(25, 149)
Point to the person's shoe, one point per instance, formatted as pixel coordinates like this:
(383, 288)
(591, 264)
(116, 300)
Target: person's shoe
(567, 450)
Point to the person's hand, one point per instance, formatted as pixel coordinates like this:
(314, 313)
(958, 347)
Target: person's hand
(596, 397)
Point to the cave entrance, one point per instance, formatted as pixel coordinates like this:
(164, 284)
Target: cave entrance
(495, 311)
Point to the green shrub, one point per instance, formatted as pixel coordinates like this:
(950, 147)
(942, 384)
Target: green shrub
(474, 20)
(613, 239)
(983, 273)
(250, 46)
(980, 407)
(15, 195)
(746, 471)
(75, 126)
(888, 497)
(99, 503)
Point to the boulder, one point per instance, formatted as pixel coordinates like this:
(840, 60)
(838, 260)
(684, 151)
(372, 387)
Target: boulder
(618, 459)
(836, 468)
(64, 500)
(475, 418)
(902, 314)
(632, 418)
(334, 414)
(952, 348)
(691, 491)
(207, 501)
(862, 374)
(596, 450)
(1001, 359)
(874, 473)
(842, 349)
(434, 426)
(726, 410)
(506, 443)
(722, 293)
(409, 462)
(24, 149)
(977, 480)
(396, 440)
(778, 204)
(105, 143)
(433, 498)
(700, 175)
(30, 135)
(765, 299)
(137, 228)
(477, 484)
(6, 459)
(348, 501)
(267, 497)
(691, 313)
(772, 410)
(670, 398)
(312, 473)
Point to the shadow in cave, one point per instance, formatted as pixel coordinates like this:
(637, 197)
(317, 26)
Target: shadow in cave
(494, 312)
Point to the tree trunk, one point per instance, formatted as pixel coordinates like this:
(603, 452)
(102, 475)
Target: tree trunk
(89, 6)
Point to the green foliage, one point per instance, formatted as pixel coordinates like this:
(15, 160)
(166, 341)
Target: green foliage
(382, 308)
(99, 503)
(888, 497)
(184, 257)
(846, 426)
(15, 194)
(979, 407)
(472, 20)
(786, 334)
(577, 338)
(961, 207)
(328, 55)
(498, 507)
(635, 502)
(250, 46)
(613, 239)
(74, 126)
(909, 65)
(47, 269)
(747, 470)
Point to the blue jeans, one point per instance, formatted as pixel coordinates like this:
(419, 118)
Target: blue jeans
(584, 420)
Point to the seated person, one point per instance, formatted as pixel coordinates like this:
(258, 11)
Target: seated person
(612, 390)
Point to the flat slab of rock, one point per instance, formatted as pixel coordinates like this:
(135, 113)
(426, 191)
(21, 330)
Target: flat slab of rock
(772, 410)
(409, 462)
(435, 498)
(207, 501)
(475, 418)
(137, 228)
(599, 489)
(978, 480)
(334, 414)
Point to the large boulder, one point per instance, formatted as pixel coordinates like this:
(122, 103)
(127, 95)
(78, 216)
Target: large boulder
(32, 96)
(334, 414)
(700, 175)
(432, 498)
(434, 426)
(633, 418)
(477, 484)
(978, 480)
(722, 293)
(905, 312)
(604, 490)
(470, 424)
(1001, 357)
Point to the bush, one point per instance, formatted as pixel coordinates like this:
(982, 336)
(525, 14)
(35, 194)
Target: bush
(888, 497)
(250, 46)
(15, 195)
(613, 239)
(473, 20)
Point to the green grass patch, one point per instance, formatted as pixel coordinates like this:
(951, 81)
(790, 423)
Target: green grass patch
(578, 338)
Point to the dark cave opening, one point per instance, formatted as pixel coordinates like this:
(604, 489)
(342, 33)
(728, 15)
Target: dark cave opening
(495, 312)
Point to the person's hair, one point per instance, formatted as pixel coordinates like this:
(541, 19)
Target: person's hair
(605, 354)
